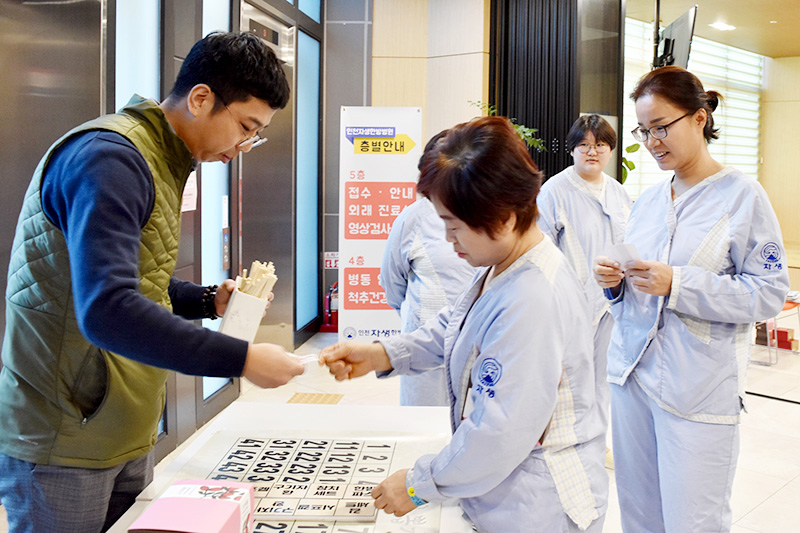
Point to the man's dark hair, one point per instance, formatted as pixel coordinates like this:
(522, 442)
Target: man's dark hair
(236, 66)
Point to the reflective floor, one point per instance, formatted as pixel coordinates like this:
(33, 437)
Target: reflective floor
(766, 490)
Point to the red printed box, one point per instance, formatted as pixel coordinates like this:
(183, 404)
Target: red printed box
(362, 289)
(788, 345)
(371, 207)
(785, 334)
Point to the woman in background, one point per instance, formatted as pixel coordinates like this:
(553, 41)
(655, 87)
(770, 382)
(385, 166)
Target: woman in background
(528, 438)
(712, 264)
(584, 211)
(420, 274)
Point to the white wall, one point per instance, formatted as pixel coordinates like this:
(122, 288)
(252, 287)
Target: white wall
(433, 54)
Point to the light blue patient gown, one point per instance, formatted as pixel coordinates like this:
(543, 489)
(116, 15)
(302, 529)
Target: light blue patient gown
(584, 226)
(528, 442)
(678, 363)
(421, 274)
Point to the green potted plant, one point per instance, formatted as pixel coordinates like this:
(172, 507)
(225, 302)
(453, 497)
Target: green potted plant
(627, 164)
(525, 133)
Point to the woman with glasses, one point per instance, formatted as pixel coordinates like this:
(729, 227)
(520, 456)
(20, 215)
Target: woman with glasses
(712, 262)
(584, 210)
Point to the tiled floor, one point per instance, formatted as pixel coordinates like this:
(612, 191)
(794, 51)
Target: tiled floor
(766, 491)
(767, 485)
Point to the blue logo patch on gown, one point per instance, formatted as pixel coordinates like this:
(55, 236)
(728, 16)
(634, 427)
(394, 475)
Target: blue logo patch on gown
(490, 372)
(771, 252)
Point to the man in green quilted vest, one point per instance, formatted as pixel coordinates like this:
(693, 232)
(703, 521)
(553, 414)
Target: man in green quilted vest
(94, 317)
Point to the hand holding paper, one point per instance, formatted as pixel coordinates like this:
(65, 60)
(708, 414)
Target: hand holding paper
(269, 366)
(347, 360)
(651, 277)
(609, 268)
(607, 272)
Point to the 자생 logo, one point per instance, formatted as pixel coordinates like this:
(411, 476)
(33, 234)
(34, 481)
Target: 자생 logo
(771, 252)
(490, 372)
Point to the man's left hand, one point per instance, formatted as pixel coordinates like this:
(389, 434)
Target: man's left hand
(223, 296)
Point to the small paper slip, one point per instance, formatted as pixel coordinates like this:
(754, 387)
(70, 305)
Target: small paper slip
(305, 359)
(622, 253)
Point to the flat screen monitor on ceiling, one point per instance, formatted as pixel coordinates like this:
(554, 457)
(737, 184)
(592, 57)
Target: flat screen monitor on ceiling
(676, 40)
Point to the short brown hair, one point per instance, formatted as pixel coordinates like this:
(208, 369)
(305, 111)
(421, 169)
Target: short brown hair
(482, 172)
(684, 90)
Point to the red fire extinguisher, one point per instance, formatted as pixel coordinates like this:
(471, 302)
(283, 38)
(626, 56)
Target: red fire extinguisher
(330, 320)
(333, 296)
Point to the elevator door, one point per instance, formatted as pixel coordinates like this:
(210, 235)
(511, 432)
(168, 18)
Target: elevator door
(51, 56)
(267, 189)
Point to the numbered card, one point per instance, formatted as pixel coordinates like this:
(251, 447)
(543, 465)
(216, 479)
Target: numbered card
(301, 481)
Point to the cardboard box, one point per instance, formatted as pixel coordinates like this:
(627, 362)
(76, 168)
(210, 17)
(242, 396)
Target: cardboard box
(784, 334)
(199, 506)
(243, 316)
(791, 344)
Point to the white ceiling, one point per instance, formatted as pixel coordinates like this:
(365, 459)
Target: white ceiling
(754, 30)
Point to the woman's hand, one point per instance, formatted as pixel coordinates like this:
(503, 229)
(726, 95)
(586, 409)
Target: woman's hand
(347, 360)
(650, 277)
(607, 272)
(391, 495)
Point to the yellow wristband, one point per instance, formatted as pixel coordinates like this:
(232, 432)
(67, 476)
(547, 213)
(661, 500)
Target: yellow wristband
(416, 500)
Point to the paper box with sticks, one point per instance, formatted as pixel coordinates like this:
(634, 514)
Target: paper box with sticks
(248, 302)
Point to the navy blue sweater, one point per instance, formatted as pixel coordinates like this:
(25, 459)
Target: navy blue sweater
(99, 192)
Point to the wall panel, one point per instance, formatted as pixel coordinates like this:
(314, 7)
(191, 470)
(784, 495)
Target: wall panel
(780, 115)
(534, 70)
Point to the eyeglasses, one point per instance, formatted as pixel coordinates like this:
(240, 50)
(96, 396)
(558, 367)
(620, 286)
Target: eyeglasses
(656, 132)
(600, 147)
(252, 141)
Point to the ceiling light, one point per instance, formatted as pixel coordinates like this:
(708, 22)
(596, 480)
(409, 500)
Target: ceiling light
(721, 26)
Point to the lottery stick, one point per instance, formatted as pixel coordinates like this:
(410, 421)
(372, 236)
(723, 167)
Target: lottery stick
(260, 281)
